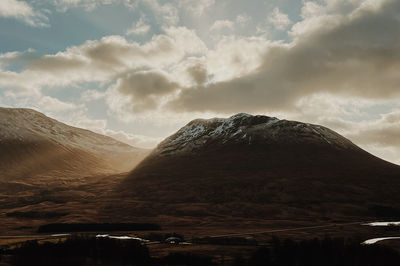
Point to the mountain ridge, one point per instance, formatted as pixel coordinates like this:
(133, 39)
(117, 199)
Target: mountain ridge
(42, 123)
(33, 143)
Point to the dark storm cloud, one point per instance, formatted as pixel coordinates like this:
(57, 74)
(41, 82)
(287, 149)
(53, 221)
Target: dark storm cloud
(145, 88)
(357, 54)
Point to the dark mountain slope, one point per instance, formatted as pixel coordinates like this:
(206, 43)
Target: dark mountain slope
(257, 166)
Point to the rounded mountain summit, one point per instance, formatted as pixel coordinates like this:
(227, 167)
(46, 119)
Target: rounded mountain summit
(259, 166)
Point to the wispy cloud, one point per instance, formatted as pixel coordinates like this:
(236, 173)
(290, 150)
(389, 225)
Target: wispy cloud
(139, 28)
(278, 19)
(243, 19)
(167, 14)
(197, 7)
(23, 11)
(89, 5)
(222, 25)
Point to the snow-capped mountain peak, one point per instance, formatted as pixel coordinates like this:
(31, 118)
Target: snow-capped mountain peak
(248, 130)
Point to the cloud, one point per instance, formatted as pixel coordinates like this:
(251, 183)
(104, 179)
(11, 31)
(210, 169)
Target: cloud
(134, 140)
(140, 28)
(142, 91)
(197, 7)
(353, 53)
(198, 73)
(17, 58)
(89, 5)
(23, 11)
(234, 57)
(166, 14)
(222, 25)
(312, 9)
(383, 132)
(91, 95)
(133, 94)
(278, 19)
(378, 136)
(105, 60)
(356, 55)
(47, 103)
(51, 106)
(243, 19)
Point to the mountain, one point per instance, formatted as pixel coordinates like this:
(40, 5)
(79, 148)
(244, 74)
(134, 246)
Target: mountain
(32, 144)
(50, 171)
(260, 167)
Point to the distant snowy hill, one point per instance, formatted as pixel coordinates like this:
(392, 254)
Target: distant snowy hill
(34, 144)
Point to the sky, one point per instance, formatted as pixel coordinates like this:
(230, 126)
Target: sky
(138, 70)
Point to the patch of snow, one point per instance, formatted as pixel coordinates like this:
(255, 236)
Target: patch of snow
(320, 134)
(100, 236)
(237, 132)
(383, 224)
(59, 235)
(193, 131)
(375, 240)
(185, 243)
(123, 238)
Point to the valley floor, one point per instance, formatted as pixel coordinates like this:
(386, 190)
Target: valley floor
(229, 249)
(223, 238)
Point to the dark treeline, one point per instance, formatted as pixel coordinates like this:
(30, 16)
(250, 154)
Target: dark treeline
(227, 241)
(80, 251)
(187, 259)
(325, 252)
(96, 227)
